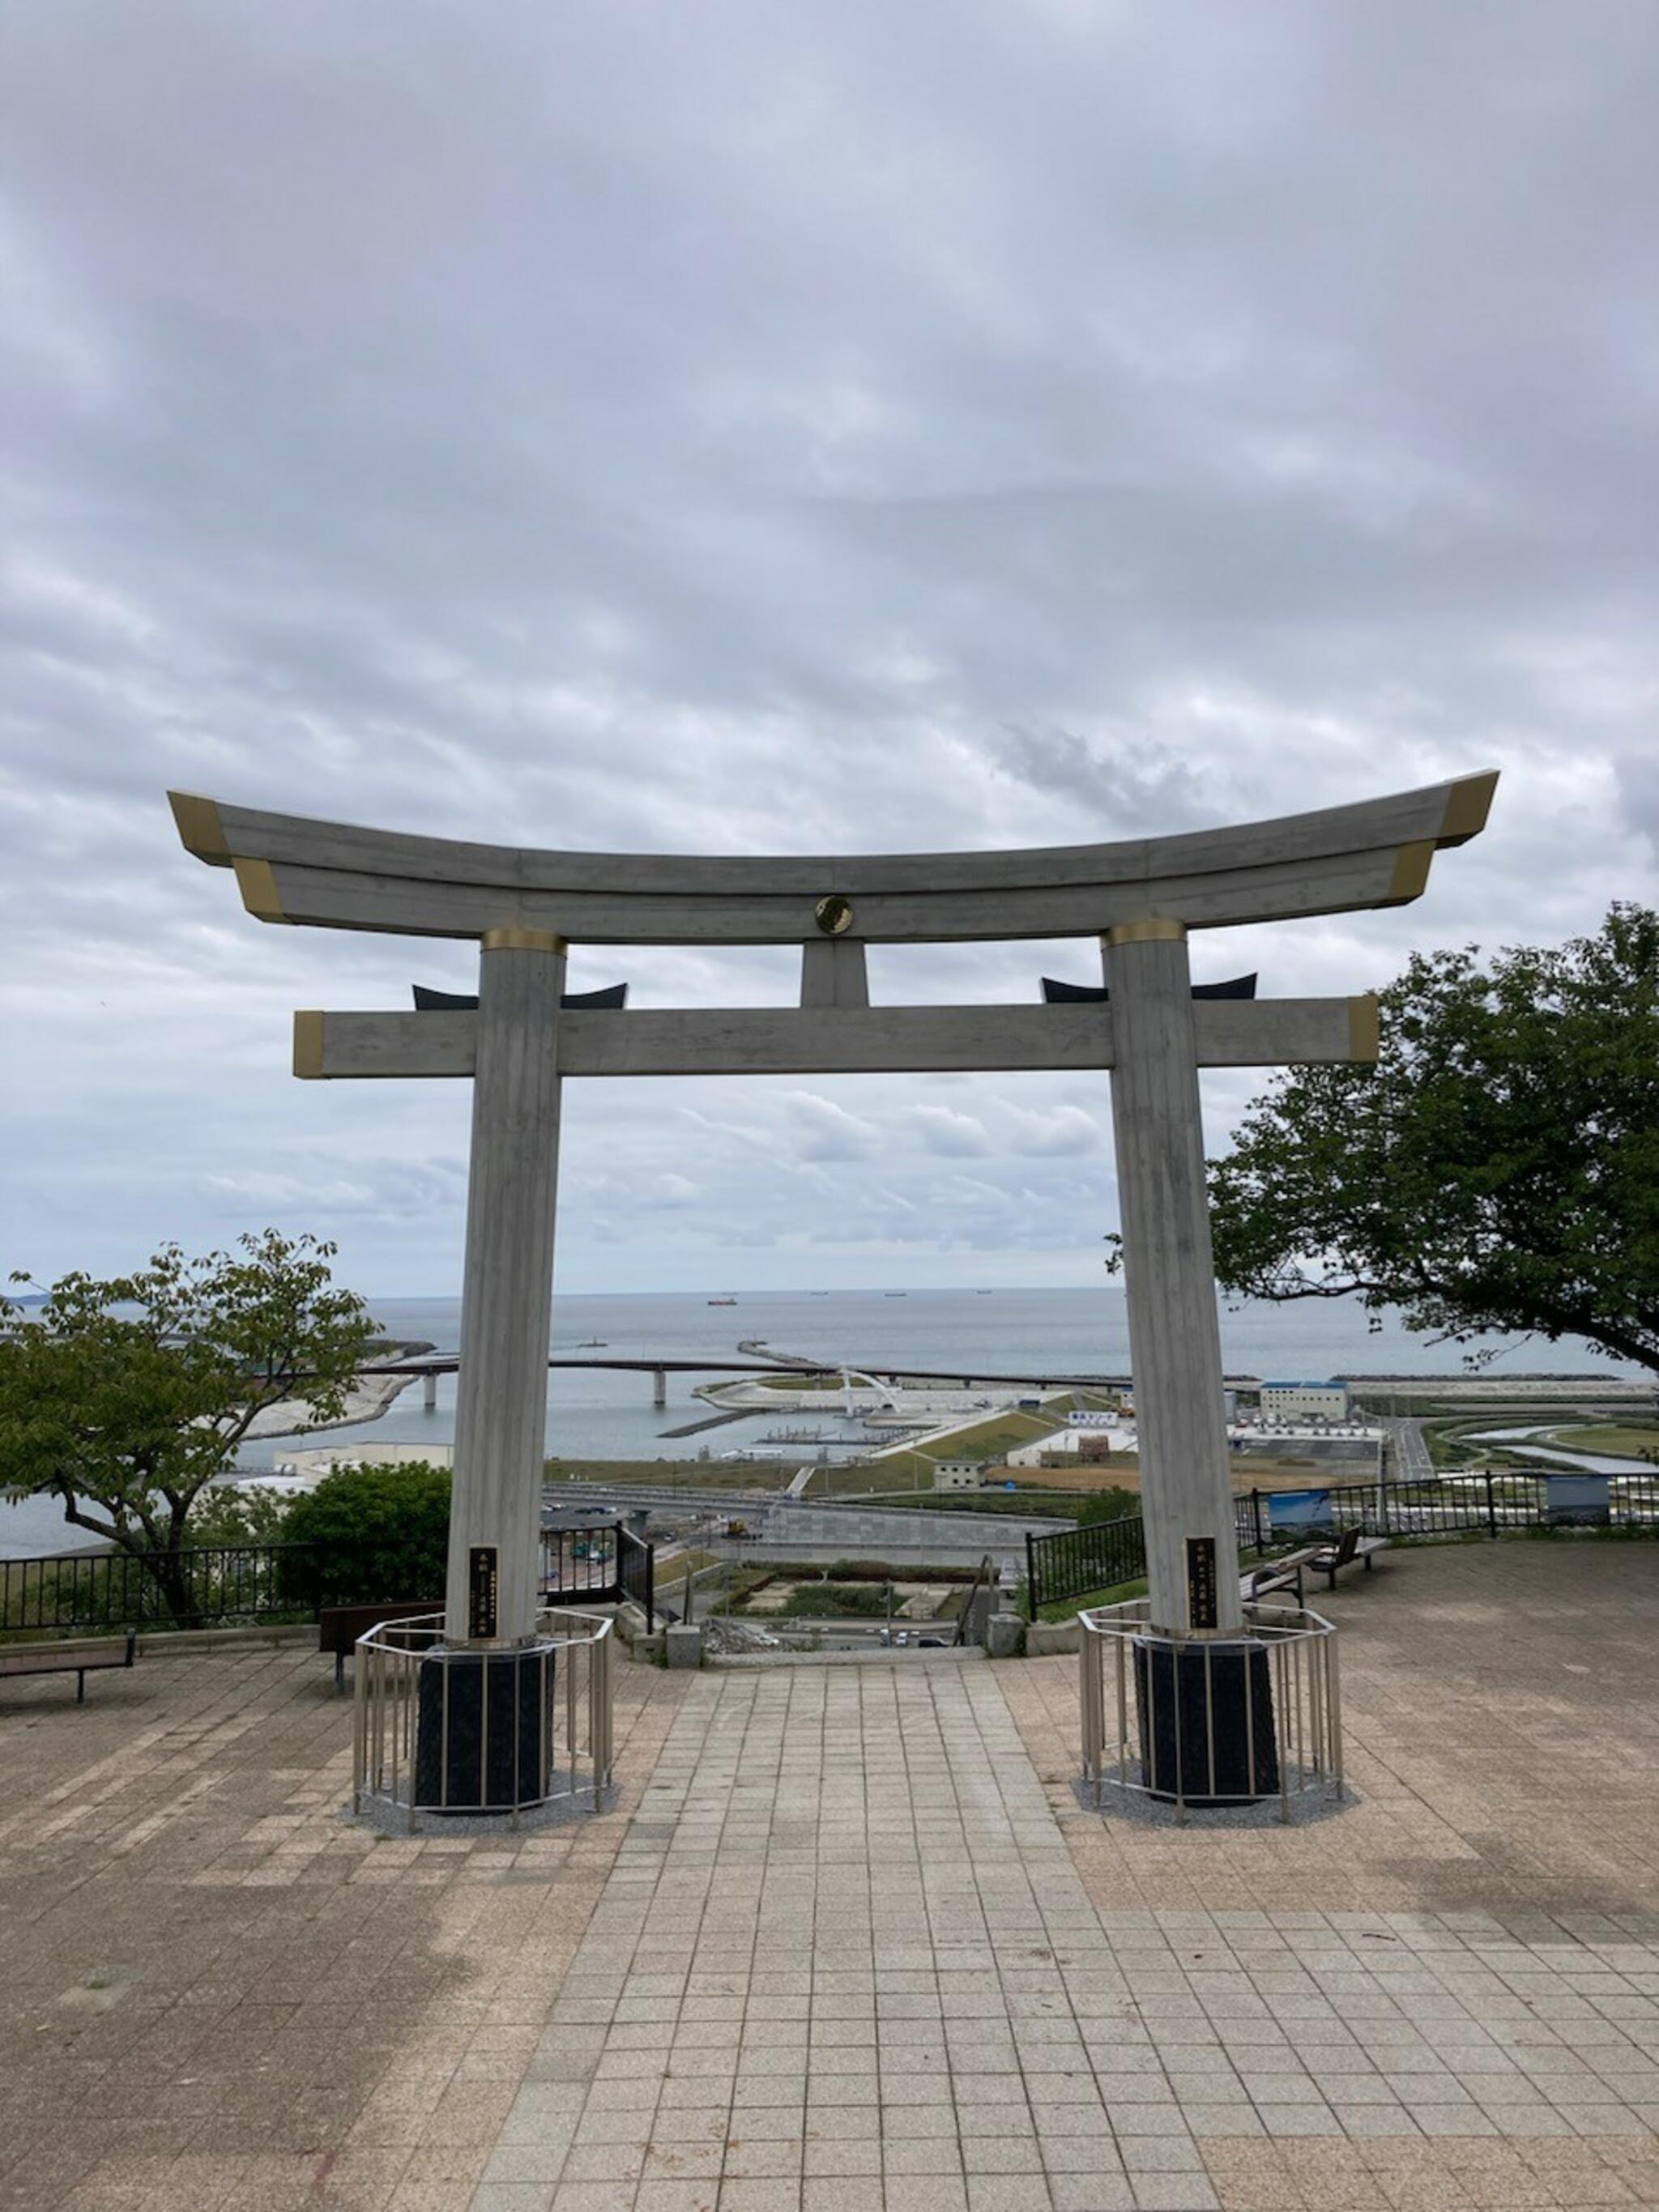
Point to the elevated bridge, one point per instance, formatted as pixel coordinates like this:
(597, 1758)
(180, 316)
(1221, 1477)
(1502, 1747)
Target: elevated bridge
(430, 1365)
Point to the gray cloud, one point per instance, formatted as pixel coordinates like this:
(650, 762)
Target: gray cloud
(943, 1130)
(780, 430)
(825, 1131)
(1063, 1132)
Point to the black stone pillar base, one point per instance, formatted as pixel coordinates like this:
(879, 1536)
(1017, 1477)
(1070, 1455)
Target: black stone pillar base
(1207, 1720)
(483, 1731)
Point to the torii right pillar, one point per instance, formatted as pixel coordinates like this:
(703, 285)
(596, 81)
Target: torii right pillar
(1205, 1706)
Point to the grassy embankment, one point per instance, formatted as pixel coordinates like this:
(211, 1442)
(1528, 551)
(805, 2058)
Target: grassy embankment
(684, 1474)
(1451, 1443)
(1622, 1439)
(989, 1439)
(863, 1478)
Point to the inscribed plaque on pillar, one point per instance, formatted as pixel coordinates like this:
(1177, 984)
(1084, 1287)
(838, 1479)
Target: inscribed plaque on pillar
(1202, 1596)
(483, 1590)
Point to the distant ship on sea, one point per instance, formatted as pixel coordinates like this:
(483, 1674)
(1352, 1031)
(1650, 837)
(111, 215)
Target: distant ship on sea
(722, 1302)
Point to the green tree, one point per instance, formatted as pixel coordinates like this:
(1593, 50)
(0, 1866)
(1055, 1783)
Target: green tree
(125, 1398)
(374, 1532)
(1498, 1170)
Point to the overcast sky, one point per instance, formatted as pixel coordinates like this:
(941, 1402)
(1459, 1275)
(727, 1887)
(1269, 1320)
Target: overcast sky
(748, 427)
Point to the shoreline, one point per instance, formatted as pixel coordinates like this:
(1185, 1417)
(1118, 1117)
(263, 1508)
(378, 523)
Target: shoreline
(368, 1398)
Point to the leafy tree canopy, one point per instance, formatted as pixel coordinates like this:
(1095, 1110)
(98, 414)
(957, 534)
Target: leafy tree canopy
(124, 1397)
(1498, 1170)
(374, 1532)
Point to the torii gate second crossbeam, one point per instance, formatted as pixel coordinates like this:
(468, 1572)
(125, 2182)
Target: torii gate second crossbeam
(525, 909)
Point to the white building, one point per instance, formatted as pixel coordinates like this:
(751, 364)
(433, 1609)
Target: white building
(1304, 1401)
(957, 1473)
(297, 1471)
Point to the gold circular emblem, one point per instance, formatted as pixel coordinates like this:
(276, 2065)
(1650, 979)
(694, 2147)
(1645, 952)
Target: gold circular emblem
(834, 914)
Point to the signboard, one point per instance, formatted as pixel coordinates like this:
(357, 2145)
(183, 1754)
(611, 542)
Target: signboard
(1201, 1595)
(1576, 1500)
(1299, 1508)
(1091, 1420)
(482, 1590)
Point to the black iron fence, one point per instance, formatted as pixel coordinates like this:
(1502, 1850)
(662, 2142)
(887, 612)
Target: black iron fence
(1109, 1553)
(1486, 1504)
(636, 1574)
(604, 1565)
(1099, 1556)
(207, 1586)
(223, 1585)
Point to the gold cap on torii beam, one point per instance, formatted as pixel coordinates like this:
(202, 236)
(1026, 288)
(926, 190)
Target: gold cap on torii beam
(257, 881)
(1467, 805)
(200, 830)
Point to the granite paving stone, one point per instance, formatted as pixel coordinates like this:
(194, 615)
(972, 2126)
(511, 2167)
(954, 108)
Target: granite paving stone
(849, 1940)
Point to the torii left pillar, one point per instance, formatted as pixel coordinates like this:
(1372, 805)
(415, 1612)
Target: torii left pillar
(484, 1691)
(1201, 1685)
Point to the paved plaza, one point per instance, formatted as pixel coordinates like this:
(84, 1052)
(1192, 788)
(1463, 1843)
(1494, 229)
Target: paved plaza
(849, 1943)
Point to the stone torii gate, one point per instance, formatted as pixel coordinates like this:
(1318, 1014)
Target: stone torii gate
(524, 907)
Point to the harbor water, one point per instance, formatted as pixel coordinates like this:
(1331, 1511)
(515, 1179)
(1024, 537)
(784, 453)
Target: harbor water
(605, 1414)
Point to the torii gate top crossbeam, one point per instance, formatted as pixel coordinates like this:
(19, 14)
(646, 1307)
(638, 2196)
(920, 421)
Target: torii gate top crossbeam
(1331, 861)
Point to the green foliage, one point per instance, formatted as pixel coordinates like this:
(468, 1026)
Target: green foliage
(239, 1513)
(1106, 1505)
(1498, 1171)
(828, 1600)
(1068, 1609)
(377, 1532)
(124, 1398)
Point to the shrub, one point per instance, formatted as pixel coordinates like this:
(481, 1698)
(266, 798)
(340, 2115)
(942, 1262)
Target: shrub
(239, 1513)
(830, 1600)
(377, 1532)
(1113, 1505)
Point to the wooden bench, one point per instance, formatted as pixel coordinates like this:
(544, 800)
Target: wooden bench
(1284, 1573)
(1330, 1558)
(339, 1627)
(77, 1659)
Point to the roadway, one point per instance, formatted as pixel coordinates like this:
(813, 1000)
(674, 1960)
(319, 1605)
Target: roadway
(1409, 1452)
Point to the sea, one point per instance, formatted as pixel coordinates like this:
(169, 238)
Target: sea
(603, 1414)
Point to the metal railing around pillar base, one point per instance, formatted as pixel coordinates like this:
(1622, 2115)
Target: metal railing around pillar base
(556, 1748)
(1201, 1723)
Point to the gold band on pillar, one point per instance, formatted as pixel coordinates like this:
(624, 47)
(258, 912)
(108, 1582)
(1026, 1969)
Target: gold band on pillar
(522, 940)
(1156, 929)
